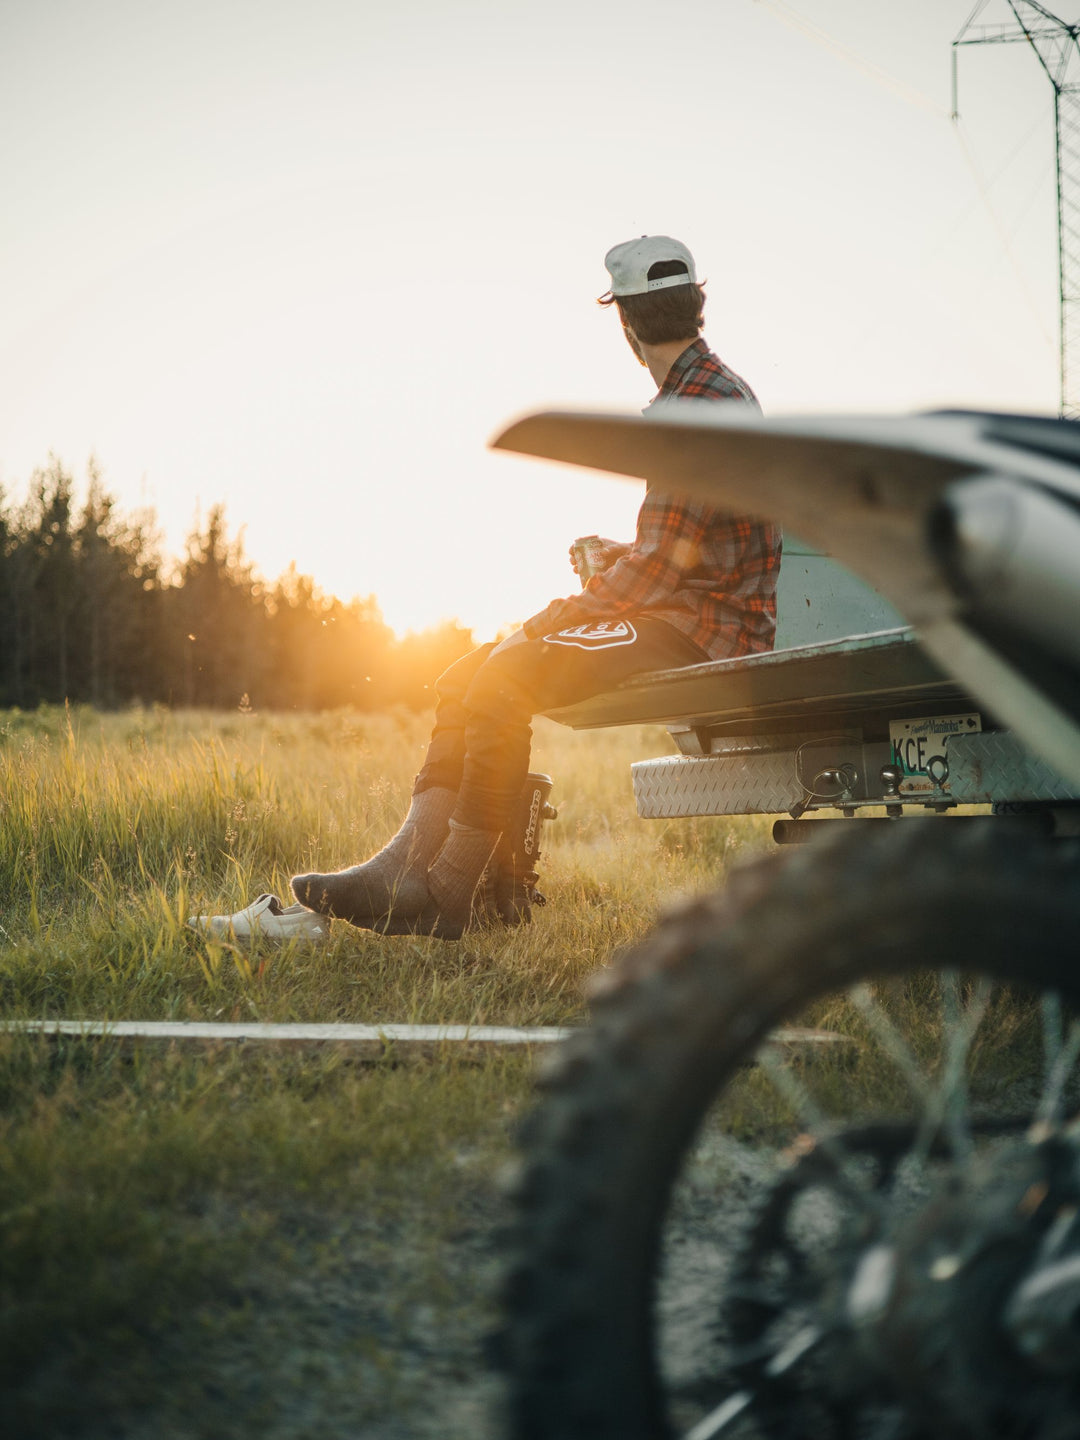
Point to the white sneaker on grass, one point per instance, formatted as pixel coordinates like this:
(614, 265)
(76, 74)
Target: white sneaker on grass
(266, 917)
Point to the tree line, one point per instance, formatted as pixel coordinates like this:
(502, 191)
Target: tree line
(90, 611)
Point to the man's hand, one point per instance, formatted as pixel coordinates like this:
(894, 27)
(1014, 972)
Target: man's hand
(605, 555)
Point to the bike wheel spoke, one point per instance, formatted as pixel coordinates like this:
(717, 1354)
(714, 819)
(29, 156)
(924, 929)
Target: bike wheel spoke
(892, 1042)
(1061, 1068)
(1052, 1031)
(963, 1025)
(947, 1108)
(725, 1415)
(785, 1359)
(817, 1125)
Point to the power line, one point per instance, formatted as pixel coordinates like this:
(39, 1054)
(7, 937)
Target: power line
(791, 17)
(982, 185)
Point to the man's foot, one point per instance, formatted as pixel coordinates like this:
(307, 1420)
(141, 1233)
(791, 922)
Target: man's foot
(412, 910)
(430, 920)
(406, 903)
(391, 882)
(365, 895)
(453, 879)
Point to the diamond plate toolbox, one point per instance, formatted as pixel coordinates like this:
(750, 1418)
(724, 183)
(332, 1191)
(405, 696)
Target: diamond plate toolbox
(996, 767)
(680, 785)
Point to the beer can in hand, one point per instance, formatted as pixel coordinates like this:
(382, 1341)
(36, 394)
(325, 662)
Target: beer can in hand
(587, 550)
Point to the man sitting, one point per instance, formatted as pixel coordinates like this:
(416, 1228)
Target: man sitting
(696, 584)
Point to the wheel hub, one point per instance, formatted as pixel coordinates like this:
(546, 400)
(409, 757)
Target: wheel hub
(970, 1311)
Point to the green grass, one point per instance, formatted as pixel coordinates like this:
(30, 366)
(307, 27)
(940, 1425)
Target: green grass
(158, 1210)
(239, 1241)
(116, 829)
(243, 1242)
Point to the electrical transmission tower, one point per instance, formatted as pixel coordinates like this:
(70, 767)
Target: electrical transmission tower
(1056, 45)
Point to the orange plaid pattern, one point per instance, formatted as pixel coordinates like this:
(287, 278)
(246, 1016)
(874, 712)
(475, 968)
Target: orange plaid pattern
(708, 573)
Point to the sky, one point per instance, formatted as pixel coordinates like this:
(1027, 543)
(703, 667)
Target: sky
(305, 259)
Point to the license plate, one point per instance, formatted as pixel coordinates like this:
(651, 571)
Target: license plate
(921, 749)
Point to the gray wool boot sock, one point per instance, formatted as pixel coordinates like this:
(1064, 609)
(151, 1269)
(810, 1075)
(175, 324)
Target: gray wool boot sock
(453, 878)
(393, 882)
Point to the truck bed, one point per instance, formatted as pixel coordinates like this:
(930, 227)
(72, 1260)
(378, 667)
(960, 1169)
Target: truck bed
(858, 675)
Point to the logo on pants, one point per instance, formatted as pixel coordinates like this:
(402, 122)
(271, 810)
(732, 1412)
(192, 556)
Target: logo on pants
(597, 636)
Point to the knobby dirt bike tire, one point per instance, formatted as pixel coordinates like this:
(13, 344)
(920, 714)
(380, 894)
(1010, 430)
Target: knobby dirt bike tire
(674, 1020)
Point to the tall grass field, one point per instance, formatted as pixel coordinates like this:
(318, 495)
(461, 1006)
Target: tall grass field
(247, 1241)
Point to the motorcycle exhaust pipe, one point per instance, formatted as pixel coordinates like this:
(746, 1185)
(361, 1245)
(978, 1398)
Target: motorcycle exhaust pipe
(1010, 550)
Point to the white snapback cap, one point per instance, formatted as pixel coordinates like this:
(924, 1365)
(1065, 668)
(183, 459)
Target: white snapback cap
(629, 264)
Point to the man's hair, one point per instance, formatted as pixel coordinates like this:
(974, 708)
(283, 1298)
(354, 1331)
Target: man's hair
(675, 313)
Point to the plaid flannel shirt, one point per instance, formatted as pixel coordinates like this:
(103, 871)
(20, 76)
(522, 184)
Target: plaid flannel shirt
(704, 571)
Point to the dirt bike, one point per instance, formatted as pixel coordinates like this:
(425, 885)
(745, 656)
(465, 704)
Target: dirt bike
(814, 1167)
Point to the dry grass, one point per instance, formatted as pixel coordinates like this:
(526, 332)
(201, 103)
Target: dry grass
(116, 829)
(240, 1243)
